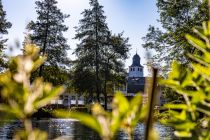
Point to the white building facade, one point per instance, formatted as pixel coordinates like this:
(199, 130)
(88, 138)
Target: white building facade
(136, 69)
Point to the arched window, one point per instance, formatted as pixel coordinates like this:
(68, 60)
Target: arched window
(133, 69)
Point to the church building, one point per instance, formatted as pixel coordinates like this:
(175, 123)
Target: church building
(135, 78)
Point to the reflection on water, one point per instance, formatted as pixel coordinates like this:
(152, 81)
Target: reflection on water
(163, 131)
(73, 130)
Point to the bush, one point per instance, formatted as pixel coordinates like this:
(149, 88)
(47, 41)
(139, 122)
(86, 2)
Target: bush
(23, 98)
(193, 83)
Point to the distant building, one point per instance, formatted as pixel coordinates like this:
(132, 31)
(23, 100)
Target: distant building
(137, 83)
(135, 79)
(69, 100)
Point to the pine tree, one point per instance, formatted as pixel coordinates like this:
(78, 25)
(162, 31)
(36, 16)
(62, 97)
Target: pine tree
(4, 26)
(92, 31)
(47, 33)
(114, 52)
(99, 54)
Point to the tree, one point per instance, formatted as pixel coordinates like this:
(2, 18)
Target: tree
(114, 52)
(22, 98)
(4, 26)
(47, 33)
(177, 18)
(191, 118)
(99, 53)
(83, 80)
(92, 31)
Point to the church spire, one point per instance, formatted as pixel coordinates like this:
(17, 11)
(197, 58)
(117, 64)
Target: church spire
(136, 60)
(136, 69)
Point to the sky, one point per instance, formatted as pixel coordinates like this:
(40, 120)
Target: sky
(131, 16)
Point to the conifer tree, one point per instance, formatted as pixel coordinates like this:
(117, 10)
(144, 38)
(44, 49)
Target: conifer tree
(114, 52)
(4, 26)
(47, 33)
(92, 32)
(99, 53)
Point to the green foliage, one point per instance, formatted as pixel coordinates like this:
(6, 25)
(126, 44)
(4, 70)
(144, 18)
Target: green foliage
(47, 33)
(192, 119)
(92, 33)
(125, 115)
(21, 99)
(55, 75)
(99, 53)
(177, 18)
(171, 96)
(112, 65)
(4, 25)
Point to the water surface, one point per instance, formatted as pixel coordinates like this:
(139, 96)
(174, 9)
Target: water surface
(73, 130)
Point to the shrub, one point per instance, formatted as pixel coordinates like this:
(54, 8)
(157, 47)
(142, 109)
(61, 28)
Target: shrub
(192, 118)
(23, 98)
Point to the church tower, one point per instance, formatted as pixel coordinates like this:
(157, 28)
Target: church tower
(135, 79)
(136, 69)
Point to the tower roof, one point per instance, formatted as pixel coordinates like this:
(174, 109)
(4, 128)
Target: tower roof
(136, 61)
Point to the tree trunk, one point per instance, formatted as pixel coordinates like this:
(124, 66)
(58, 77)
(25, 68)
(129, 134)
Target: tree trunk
(209, 8)
(96, 60)
(105, 81)
(97, 76)
(45, 43)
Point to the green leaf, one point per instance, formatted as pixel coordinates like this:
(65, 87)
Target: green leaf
(51, 95)
(135, 109)
(120, 103)
(176, 106)
(187, 80)
(185, 126)
(204, 71)
(182, 134)
(136, 102)
(175, 73)
(196, 43)
(198, 97)
(38, 62)
(182, 115)
(14, 111)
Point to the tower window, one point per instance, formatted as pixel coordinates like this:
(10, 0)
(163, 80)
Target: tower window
(138, 69)
(133, 69)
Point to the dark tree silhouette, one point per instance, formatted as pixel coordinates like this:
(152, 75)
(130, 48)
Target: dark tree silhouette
(92, 32)
(99, 53)
(47, 33)
(4, 26)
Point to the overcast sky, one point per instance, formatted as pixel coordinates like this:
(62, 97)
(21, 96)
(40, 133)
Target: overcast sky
(131, 16)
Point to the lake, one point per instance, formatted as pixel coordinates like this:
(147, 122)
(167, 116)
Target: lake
(73, 130)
